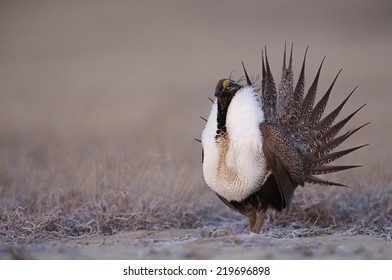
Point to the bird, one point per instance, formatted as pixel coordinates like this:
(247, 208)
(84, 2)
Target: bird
(261, 142)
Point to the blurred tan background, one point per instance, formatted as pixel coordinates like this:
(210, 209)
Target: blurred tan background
(137, 74)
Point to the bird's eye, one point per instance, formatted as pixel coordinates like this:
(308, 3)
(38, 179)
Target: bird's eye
(226, 83)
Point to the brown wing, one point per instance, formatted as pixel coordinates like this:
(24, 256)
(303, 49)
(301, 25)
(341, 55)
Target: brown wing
(283, 160)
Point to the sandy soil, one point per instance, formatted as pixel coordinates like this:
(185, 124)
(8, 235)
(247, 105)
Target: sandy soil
(204, 244)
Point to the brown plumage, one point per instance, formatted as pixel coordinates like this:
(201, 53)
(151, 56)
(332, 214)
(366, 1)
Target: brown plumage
(297, 143)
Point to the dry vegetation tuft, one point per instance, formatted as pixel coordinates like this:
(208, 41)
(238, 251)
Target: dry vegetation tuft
(89, 192)
(54, 191)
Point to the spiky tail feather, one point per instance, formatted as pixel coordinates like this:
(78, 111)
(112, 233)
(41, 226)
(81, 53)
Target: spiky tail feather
(315, 138)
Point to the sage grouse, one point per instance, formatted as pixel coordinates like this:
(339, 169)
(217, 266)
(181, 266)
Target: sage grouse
(255, 154)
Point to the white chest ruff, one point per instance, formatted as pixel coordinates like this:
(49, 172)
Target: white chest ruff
(234, 165)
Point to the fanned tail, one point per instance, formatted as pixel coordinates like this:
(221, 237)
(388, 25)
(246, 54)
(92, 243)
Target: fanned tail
(327, 121)
(328, 158)
(318, 110)
(335, 129)
(308, 102)
(268, 91)
(323, 155)
(330, 169)
(315, 180)
(333, 144)
(285, 95)
(299, 93)
(314, 137)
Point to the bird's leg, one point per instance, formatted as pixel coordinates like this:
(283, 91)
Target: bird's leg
(255, 217)
(259, 219)
(252, 219)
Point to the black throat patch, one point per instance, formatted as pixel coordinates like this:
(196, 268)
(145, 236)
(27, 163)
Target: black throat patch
(223, 106)
(224, 91)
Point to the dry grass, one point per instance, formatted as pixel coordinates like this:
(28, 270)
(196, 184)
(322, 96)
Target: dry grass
(90, 193)
(62, 192)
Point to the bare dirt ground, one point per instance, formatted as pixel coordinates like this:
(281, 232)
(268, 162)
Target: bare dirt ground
(99, 105)
(205, 244)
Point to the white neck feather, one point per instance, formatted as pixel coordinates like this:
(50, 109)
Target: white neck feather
(234, 165)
